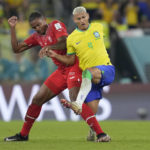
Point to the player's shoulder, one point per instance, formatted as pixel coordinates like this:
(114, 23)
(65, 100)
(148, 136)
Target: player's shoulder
(72, 34)
(56, 22)
(57, 25)
(34, 35)
(97, 25)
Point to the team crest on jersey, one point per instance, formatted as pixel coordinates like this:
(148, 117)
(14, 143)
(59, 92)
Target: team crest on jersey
(96, 34)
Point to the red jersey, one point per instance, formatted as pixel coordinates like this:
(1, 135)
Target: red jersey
(55, 30)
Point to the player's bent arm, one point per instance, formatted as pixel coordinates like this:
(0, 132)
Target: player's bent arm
(60, 45)
(21, 46)
(17, 46)
(65, 59)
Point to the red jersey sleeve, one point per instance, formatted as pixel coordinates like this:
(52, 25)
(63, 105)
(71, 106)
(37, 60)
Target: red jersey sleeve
(31, 40)
(59, 29)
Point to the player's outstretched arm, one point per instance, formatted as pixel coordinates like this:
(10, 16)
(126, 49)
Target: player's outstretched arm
(16, 46)
(65, 59)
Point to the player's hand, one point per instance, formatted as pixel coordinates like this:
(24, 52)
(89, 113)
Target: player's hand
(43, 52)
(12, 21)
(51, 53)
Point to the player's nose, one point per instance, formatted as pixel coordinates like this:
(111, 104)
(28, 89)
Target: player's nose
(82, 21)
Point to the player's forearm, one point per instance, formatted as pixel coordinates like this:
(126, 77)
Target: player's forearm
(65, 59)
(17, 46)
(14, 41)
(58, 46)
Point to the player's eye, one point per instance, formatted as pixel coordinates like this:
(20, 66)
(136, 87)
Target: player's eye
(33, 27)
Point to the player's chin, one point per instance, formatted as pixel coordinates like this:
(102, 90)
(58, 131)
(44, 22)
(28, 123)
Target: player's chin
(41, 33)
(83, 27)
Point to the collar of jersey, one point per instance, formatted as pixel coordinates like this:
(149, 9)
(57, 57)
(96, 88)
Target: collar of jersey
(83, 30)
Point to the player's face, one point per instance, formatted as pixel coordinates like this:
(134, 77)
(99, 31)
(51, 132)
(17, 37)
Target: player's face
(81, 20)
(39, 25)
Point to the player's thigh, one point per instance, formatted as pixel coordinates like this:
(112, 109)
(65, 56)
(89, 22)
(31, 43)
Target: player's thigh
(93, 105)
(56, 82)
(108, 74)
(96, 74)
(43, 95)
(52, 86)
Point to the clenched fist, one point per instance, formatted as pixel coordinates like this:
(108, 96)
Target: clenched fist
(12, 21)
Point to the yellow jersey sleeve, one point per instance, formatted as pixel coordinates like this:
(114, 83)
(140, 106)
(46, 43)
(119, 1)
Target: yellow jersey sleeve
(70, 48)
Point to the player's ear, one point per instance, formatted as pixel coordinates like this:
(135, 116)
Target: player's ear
(88, 16)
(45, 19)
(74, 18)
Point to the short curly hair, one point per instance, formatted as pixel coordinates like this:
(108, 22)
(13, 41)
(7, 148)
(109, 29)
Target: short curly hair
(35, 15)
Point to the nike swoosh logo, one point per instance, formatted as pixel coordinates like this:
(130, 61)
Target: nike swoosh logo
(10, 139)
(78, 43)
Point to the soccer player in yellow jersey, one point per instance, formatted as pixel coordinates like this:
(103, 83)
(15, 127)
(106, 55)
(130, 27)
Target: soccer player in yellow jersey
(86, 42)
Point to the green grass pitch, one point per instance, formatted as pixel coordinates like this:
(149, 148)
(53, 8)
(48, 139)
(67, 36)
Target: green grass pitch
(53, 135)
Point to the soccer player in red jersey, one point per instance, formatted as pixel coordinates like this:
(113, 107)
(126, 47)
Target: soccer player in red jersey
(49, 36)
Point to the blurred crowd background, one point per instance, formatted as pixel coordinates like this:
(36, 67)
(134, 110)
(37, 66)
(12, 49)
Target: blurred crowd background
(126, 28)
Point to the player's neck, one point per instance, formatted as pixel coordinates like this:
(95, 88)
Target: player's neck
(46, 27)
(82, 30)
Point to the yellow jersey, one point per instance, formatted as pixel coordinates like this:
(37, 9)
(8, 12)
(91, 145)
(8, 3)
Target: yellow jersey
(132, 14)
(15, 3)
(89, 46)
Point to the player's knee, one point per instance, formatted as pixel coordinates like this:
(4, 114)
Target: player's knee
(94, 105)
(96, 81)
(93, 110)
(96, 75)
